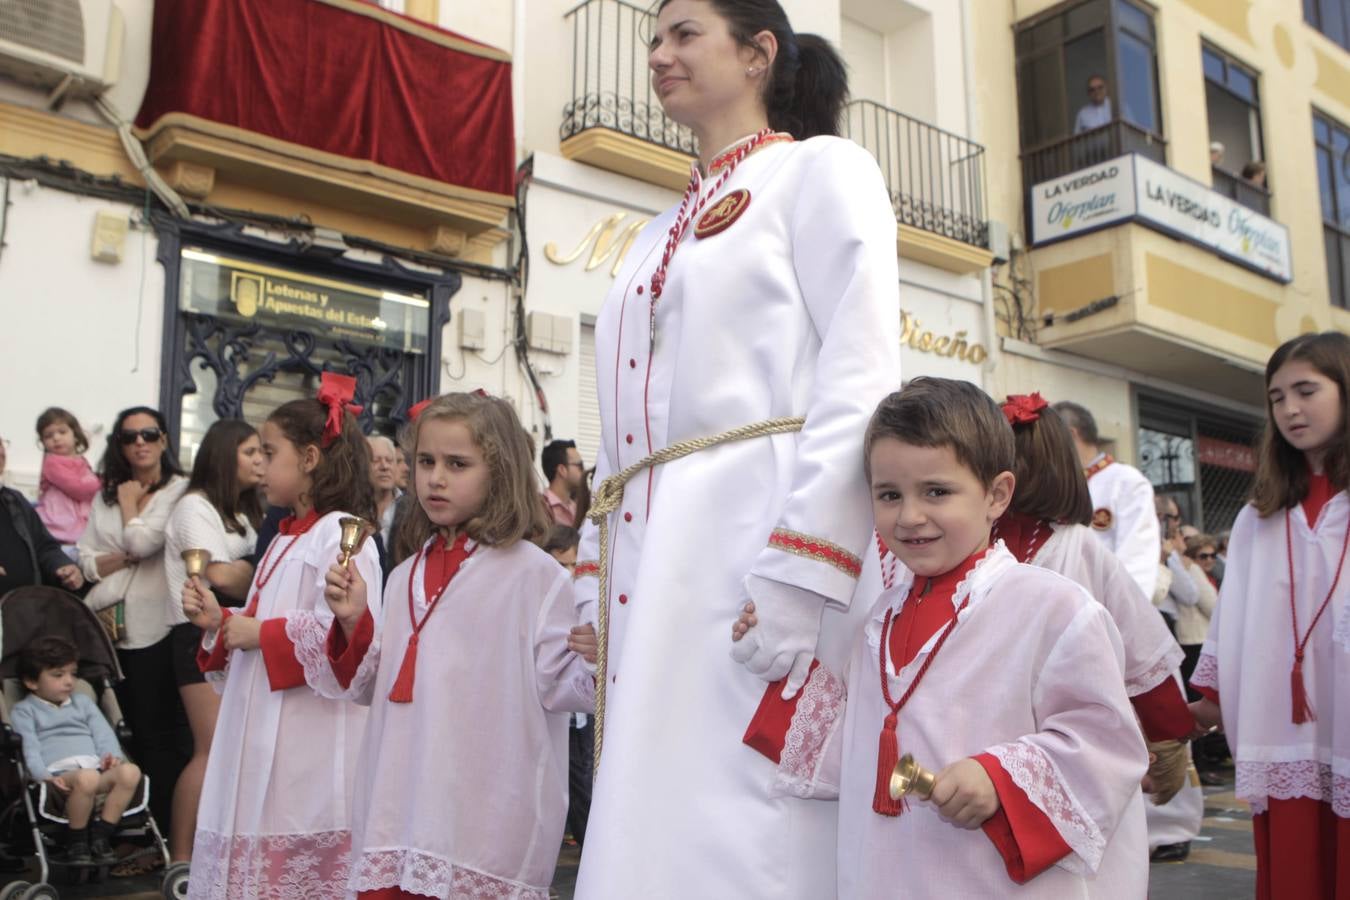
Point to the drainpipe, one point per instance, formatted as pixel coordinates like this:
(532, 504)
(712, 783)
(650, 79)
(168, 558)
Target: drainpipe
(972, 132)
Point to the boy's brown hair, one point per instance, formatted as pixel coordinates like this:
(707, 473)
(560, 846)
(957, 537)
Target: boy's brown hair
(45, 653)
(513, 509)
(54, 415)
(1282, 469)
(944, 412)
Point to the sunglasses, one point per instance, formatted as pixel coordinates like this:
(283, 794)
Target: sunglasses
(149, 435)
(1206, 556)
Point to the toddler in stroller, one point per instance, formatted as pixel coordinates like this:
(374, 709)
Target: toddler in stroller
(70, 746)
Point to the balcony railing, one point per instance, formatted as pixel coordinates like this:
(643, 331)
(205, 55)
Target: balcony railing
(1249, 194)
(611, 85)
(936, 179)
(1070, 154)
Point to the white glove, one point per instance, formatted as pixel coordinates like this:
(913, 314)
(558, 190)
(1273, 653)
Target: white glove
(783, 643)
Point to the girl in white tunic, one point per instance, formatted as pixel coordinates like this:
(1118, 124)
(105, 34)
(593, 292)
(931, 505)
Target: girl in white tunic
(464, 768)
(1275, 670)
(274, 820)
(1004, 679)
(768, 297)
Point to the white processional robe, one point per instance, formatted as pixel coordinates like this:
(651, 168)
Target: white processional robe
(274, 819)
(1125, 519)
(1032, 674)
(463, 791)
(793, 310)
(1249, 654)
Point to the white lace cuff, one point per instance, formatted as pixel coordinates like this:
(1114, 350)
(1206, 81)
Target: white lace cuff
(1206, 672)
(1157, 673)
(310, 638)
(272, 866)
(814, 726)
(1259, 782)
(1032, 770)
(425, 873)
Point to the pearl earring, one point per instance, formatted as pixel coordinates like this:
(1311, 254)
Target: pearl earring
(752, 71)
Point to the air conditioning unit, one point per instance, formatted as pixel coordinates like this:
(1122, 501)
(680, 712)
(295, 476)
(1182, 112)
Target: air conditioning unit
(71, 47)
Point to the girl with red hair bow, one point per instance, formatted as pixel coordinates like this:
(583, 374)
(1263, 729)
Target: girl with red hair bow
(275, 811)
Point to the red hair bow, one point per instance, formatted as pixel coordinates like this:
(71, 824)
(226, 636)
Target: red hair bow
(1023, 409)
(416, 409)
(336, 392)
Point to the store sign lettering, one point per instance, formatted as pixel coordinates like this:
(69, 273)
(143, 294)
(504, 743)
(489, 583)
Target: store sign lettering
(953, 346)
(608, 238)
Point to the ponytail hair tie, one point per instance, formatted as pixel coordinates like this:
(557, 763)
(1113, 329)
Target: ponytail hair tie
(336, 392)
(1023, 409)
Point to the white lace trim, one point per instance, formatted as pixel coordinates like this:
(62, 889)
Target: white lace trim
(270, 867)
(310, 639)
(1260, 782)
(813, 723)
(1157, 673)
(435, 876)
(1032, 770)
(1206, 672)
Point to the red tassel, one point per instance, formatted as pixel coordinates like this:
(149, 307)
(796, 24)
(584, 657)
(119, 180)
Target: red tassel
(402, 691)
(888, 754)
(1303, 711)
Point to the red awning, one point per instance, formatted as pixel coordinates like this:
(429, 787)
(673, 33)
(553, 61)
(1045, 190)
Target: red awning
(341, 77)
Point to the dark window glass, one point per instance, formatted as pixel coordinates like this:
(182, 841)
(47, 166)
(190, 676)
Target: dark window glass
(1213, 66)
(1333, 157)
(1136, 75)
(1331, 17)
(1135, 19)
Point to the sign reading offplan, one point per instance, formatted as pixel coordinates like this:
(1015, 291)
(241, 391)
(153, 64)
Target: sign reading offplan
(1132, 188)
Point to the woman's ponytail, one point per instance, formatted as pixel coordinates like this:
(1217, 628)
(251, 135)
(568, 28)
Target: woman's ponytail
(809, 88)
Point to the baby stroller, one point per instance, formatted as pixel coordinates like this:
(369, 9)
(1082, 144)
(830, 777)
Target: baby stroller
(26, 614)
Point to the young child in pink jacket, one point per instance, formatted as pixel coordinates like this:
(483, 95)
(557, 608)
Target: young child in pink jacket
(68, 484)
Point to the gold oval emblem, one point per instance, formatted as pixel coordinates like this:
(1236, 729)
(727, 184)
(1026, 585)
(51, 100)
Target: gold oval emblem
(723, 213)
(1102, 519)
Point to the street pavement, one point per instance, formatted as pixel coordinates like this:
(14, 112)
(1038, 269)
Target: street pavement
(1221, 865)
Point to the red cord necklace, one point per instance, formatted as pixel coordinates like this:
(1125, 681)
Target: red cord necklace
(888, 751)
(402, 690)
(264, 573)
(1302, 709)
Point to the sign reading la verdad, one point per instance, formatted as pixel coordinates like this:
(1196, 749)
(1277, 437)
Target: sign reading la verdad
(1132, 188)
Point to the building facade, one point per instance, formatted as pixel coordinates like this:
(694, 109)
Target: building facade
(322, 227)
(1154, 266)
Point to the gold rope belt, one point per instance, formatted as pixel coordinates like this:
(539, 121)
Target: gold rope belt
(606, 501)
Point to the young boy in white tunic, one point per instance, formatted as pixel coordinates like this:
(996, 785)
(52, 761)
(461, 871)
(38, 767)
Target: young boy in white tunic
(1004, 679)
(463, 787)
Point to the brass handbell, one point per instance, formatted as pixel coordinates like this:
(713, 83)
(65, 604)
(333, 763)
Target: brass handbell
(355, 530)
(196, 561)
(911, 778)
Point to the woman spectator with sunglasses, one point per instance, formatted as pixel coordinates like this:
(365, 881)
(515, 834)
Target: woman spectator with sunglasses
(122, 552)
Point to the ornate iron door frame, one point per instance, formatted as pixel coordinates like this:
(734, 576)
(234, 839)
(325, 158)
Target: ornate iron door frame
(224, 346)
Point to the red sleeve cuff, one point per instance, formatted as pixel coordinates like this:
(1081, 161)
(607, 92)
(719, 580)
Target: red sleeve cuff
(1023, 835)
(769, 725)
(1206, 692)
(278, 652)
(1163, 712)
(214, 661)
(345, 656)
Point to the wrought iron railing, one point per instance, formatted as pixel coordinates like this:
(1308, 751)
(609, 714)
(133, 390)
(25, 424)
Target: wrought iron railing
(1248, 193)
(936, 179)
(611, 84)
(1060, 157)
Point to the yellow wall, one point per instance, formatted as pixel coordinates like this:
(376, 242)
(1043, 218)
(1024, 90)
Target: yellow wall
(1299, 69)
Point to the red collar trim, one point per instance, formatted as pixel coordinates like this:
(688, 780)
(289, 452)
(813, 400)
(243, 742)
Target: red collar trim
(1105, 460)
(945, 585)
(292, 526)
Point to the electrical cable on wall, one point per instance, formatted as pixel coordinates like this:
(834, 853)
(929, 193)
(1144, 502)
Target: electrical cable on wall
(524, 172)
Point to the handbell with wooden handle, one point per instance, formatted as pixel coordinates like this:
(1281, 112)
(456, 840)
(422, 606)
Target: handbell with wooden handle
(196, 561)
(911, 778)
(355, 530)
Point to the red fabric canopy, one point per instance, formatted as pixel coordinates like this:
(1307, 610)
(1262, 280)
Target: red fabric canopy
(340, 77)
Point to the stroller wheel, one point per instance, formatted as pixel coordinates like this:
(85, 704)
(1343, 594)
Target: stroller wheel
(40, 892)
(175, 881)
(13, 890)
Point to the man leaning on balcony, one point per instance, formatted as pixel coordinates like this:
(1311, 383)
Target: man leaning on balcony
(1096, 113)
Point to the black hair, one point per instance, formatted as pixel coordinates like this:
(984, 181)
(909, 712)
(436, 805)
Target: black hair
(562, 538)
(1080, 420)
(113, 468)
(554, 455)
(45, 653)
(805, 91)
(215, 475)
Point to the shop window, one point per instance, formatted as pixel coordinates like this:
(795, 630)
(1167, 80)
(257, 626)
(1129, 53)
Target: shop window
(1331, 17)
(1087, 81)
(1332, 142)
(1233, 106)
(1202, 458)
